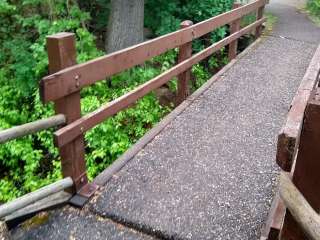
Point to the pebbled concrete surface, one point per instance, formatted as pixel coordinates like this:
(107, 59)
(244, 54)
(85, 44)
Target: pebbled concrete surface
(292, 22)
(210, 174)
(73, 224)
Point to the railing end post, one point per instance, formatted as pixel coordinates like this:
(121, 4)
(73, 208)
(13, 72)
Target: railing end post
(62, 54)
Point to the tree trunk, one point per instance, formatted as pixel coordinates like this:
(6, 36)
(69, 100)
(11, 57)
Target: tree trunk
(125, 26)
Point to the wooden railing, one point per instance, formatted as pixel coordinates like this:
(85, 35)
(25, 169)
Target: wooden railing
(67, 79)
(299, 153)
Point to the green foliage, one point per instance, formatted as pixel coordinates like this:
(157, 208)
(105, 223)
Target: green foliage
(165, 16)
(314, 7)
(31, 162)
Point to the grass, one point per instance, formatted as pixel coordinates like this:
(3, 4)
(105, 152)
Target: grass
(312, 16)
(312, 11)
(271, 20)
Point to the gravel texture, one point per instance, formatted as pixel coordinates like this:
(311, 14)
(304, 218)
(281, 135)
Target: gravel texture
(73, 224)
(293, 23)
(210, 174)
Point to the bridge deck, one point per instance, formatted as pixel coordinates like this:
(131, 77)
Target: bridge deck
(210, 174)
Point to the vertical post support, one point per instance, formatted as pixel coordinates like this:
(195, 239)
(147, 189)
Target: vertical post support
(307, 167)
(234, 27)
(259, 16)
(62, 54)
(185, 52)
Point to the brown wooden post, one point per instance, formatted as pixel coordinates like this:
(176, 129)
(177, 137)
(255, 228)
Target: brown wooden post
(259, 16)
(62, 54)
(306, 175)
(185, 51)
(234, 27)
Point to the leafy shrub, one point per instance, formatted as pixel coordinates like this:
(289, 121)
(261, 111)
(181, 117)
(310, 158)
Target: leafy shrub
(314, 7)
(165, 16)
(31, 162)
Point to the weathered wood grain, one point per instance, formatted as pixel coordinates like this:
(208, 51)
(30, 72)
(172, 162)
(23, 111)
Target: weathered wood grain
(289, 134)
(307, 166)
(299, 208)
(30, 128)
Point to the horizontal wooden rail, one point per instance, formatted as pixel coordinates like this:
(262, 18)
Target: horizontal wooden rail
(32, 197)
(299, 208)
(29, 128)
(72, 79)
(287, 138)
(73, 130)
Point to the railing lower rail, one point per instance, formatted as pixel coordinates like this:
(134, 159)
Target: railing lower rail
(35, 196)
(30, 128)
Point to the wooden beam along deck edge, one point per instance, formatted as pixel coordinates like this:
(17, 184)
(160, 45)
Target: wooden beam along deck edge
(287, 138)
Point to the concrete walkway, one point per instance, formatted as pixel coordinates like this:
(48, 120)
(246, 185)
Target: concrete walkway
(211, 172)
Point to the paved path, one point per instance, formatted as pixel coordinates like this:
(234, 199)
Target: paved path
(210, 173)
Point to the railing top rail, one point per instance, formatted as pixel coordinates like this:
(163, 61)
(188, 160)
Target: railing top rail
(74, 78)
(289, 133)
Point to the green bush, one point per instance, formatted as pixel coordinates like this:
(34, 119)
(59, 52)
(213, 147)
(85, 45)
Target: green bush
(314, 7)
(165, 16)
(162, 16)
(31, 162)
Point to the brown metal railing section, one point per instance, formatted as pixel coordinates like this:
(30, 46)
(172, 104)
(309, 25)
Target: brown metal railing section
(68, 78)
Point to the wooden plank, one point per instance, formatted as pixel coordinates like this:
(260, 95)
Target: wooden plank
(302, 212)
(185, 52)
(30, 128)
(30, 198)
(307, 166)
(62, 53)
(272, 228)
(71, 131)
(234, 27)
(74, 78)
(49, 202)
(287, 138)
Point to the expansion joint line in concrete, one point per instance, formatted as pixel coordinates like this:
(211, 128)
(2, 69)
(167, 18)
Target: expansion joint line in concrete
(133, 225)
(290, 38)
